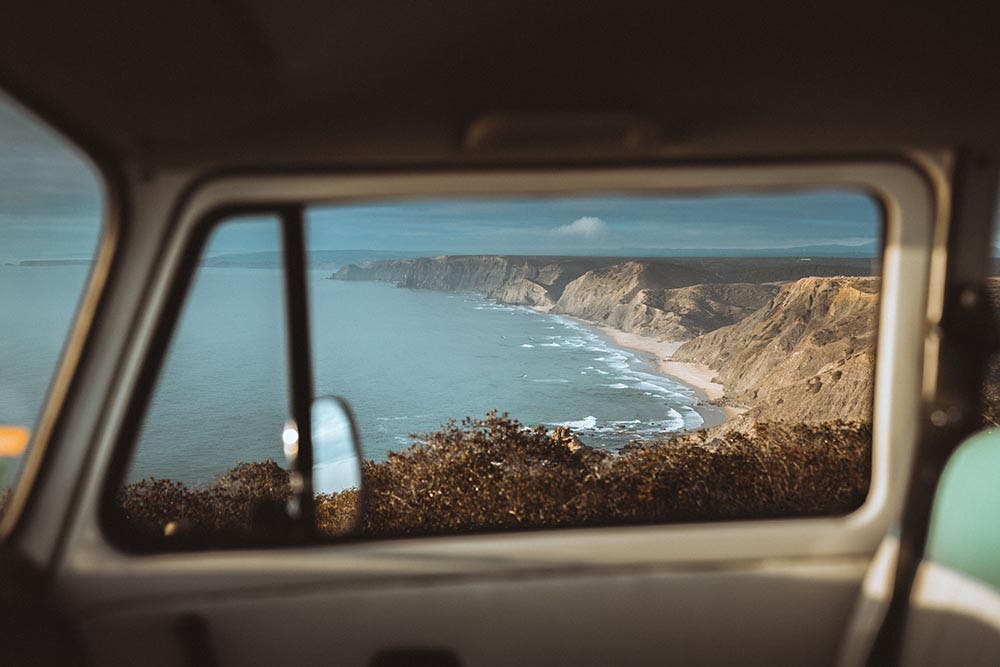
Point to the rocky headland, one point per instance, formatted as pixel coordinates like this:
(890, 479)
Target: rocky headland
(781, 338)
(806, 355)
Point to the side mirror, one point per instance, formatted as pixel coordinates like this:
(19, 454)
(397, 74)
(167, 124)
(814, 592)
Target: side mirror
(336, 469)
(328, 501)
(336, 447)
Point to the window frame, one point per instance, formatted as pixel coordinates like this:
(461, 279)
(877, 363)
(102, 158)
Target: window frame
(905, 187)
(294, 306)
(110, 181)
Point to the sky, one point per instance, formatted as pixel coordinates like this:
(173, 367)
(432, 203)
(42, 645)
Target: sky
(50, 196)
(51, 207)
(604, 224)
(612, 224)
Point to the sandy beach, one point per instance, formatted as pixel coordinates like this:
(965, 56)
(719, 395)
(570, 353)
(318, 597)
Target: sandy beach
(698, 376)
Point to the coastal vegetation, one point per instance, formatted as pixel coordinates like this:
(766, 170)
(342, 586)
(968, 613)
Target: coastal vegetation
(496, 474)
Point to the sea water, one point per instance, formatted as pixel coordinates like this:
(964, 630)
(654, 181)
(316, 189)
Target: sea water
(406, 361)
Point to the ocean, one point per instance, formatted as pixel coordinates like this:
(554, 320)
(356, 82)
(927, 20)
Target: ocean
(38, 306)
(407, 361)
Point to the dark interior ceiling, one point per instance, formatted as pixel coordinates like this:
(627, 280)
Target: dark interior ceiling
(227, 82)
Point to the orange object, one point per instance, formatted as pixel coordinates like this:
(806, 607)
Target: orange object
(13, 439)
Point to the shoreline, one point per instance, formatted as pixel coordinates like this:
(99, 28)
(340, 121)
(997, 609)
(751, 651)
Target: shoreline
(697, 376)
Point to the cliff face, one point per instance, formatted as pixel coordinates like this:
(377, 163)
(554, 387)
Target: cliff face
(787, 347)
(628, 298)
(530, 281)
(671, 298)
(491, 273)
(807, 356)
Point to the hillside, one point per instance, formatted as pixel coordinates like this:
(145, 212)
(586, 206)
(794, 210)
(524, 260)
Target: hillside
(670, 298)
(807, 356)
(626, 297)
(788, 339)
(493, 275)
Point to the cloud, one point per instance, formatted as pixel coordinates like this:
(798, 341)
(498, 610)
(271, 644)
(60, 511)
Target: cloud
(584, 228)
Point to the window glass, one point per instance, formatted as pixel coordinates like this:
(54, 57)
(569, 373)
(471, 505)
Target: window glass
(51, 209)
(600, 360)
(530, 363)
(210, 447)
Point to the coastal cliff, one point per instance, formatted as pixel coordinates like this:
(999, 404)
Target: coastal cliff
(626, 298)
(670, 298)
(529, 281)
(808, 355)
(788, 339)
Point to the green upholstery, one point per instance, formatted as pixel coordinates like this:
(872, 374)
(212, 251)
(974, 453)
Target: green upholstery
(965, 521)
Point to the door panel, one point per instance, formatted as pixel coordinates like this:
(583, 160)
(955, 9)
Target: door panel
(788, 613)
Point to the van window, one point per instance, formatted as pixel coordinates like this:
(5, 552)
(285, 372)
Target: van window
(51, 208)
(209, 453)
(537, 363)
(604, 359)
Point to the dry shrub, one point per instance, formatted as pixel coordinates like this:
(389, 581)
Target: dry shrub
(495, 474)
(233, 504)
(337, 513)
(480, 474)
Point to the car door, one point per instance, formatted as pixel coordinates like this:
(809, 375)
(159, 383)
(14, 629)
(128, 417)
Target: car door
(758, 589)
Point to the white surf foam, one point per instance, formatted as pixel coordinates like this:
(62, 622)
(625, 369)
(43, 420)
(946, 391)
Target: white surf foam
(587, 423)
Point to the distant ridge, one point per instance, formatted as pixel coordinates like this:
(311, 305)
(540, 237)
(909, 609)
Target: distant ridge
(870, 249)
(317, 259)
(54, 262)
